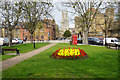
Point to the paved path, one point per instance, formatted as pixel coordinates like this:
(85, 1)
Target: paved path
(51, 41)
(12, 61)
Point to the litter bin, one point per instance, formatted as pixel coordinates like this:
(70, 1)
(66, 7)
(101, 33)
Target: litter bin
(74, 39)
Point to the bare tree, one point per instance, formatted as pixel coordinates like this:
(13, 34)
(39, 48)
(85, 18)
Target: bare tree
(11, 13)
(33, 13)
(86, 10)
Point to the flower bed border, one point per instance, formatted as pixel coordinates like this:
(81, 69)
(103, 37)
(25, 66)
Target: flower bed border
(82, 55)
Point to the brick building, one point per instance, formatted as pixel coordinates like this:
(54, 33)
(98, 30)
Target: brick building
(45, 31)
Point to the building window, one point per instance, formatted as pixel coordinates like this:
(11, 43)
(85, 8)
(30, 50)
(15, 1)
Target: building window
(25, 30)
(5, 31)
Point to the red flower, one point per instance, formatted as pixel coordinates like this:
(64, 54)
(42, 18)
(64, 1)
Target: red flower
(60, 56)
(72, 56)
(76, 56)
(64, 56)
(81, 52)
(69, 55)
(84, 52)
(57, 56)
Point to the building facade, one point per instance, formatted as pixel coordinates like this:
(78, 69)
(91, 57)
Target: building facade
(98, 24)
(46, 31)
(3, 31)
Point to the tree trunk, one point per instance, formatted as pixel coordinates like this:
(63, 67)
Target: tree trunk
(31, 38)
(85, 36)
(10, 38)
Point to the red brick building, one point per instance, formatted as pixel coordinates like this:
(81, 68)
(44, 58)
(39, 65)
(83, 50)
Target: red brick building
(45, 32)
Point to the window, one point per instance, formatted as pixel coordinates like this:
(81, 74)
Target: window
(112, 40)
(25, 30)
(116, 40)
(5, 31)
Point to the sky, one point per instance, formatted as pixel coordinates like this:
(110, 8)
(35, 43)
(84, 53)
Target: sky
(57, 14)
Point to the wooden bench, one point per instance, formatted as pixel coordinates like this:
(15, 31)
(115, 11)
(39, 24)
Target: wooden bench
(17, 51)
(113, 45)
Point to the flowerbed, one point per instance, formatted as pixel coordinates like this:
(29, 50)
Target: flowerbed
(70, 54)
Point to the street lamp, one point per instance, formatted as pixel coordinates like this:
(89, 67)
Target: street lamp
(105, 16)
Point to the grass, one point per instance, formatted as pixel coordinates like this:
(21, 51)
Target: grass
(23, 48)
(102, 63)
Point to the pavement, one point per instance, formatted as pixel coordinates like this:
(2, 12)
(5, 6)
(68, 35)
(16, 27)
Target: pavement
(12, 61)
(51, 41)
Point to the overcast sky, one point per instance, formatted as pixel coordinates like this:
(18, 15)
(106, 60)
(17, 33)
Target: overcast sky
(57, 14)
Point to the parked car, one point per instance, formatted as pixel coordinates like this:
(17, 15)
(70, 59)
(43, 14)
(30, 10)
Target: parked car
(101, 39)
(4, 40)
(20, 41)
(94, 40)
(17, 41)
(60, 38)
(79, 40)
(111, 40)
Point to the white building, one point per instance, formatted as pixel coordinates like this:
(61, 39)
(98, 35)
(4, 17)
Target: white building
(64, 21)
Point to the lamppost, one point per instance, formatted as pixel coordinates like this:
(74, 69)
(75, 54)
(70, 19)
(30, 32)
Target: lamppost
(105, 16)
(34, 40)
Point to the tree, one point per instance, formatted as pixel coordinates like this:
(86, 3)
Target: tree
(87, 11)
(11, 13)
(33, 13)
(57, 30)
(67, 33)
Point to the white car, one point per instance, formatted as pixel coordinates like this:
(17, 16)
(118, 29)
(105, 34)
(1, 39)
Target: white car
(17, 41)
(4, 41)
(111, 40)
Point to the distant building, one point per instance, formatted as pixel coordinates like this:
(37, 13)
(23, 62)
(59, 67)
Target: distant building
(3, 31)
(64, 22)
(46, 31)
(98, 24)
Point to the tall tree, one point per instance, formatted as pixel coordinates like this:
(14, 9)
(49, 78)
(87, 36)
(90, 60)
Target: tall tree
(11, 13)
(33, 12)
(87, 11)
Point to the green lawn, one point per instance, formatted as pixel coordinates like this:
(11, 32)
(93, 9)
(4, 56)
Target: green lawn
(102, 63)
(23, 48)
